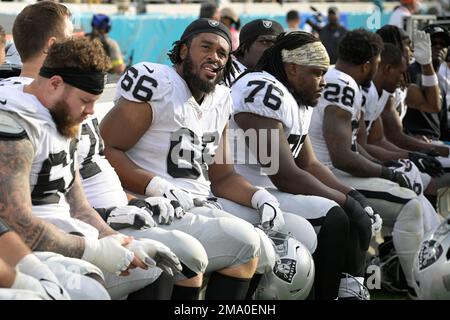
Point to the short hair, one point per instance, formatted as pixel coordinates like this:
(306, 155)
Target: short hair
(36, 24)
(2, 35)
(391, 55)
(359, 46)
(292, 15)
(271, 60)
(207, 10)
(78, 53)
(392, 34)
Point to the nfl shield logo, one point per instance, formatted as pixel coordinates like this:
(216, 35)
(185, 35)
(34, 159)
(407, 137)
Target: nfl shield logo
(267, 24)
(213, 23)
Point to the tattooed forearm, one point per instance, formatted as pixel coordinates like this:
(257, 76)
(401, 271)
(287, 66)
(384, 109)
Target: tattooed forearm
(16, 157)
(80, 209)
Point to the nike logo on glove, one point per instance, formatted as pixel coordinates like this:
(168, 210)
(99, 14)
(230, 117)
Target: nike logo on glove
(3, 101)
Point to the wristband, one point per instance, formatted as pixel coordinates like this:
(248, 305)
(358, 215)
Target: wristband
(430, 81)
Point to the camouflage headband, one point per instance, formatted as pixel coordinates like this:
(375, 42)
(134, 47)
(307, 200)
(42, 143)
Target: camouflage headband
(311, 54)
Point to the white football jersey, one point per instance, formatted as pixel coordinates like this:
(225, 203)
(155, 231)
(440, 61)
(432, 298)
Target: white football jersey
(54, 163)
(262, 94)
(373, 104)
(100, 181)
(399, 102)
(238, 69)
(184, 135)
(342, 91)
(15, 81)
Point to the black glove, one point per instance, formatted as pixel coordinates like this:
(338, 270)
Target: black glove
(358, 217)
(375, 218)
(427, 164)
(432, 153)
(397, 177)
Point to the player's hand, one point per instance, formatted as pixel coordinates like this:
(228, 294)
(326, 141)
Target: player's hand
(130, 217)
(375, 218)
(422, 47)
(161, 187)
(154, 253)
(359, 218)
(427, 164)
(269, 210)
(398, 177)
(33, 275)
(109, 253)
(166, 210)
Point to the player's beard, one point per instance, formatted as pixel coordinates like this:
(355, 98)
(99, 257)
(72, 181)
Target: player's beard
(66, 124)
(194, 81)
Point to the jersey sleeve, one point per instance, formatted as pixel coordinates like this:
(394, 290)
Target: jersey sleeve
(342, 92)
(145, 82)
(260, 96)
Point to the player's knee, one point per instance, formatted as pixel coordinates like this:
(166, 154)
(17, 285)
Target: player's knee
(410, 217)
(336, 223)
(268, 257)
(246, 240)
(191, 253)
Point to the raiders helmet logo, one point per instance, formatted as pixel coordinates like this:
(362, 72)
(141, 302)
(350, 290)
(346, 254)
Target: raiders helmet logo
(213, 23)
(267, 24)
(285, 269)
(429, 253)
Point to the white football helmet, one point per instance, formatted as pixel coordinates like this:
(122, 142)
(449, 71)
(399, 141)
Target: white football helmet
(431, 271)
(292, 276)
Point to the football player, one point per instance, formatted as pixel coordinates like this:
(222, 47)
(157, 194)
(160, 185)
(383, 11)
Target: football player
(279, 96)
(174, 118)
(41, 121)
(333, 133)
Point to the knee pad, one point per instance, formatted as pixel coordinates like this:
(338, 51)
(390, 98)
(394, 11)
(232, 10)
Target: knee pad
(268, 256)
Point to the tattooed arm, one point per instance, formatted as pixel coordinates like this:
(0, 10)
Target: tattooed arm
(16, 158)
(81, 210)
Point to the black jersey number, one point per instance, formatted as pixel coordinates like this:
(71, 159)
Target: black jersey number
(48, 191)
(190, 162)
(333, 90)
(295, 142)
(143, 88)
(270, 100)
(89, 168)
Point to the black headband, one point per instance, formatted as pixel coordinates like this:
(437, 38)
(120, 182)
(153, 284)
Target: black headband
(90, 81)
(204, 25)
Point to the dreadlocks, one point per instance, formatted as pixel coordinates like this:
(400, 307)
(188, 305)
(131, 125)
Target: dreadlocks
(271, 60)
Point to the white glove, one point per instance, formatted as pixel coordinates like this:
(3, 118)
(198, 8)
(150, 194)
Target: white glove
(108, 254)
(158, 187)
(154, 253)
(422, 47)
(165, 208)
(377, 222)
(130, 216)
(269, 210)
(33, 275)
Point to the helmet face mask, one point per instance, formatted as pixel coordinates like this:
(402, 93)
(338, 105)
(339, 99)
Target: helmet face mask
(292, 276)
(431, 271)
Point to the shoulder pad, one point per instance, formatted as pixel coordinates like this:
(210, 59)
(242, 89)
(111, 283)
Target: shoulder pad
(10, 128)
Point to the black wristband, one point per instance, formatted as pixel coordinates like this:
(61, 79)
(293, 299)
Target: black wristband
(3, 227)
(387, 173)
(104, 212)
